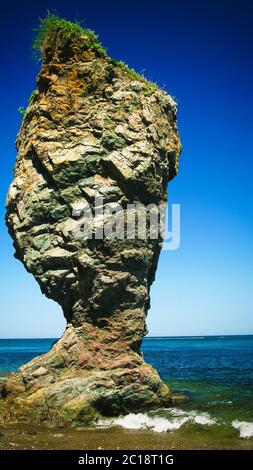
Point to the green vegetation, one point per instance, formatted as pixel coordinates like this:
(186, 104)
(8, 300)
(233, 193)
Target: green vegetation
(131, 72)
(22, 110)
(32, 95)
(55, 26)
(149, 91)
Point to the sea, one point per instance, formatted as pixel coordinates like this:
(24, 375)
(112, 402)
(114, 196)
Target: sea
(215, 373)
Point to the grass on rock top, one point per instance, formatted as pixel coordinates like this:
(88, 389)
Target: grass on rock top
(66, 30)
(53, 25)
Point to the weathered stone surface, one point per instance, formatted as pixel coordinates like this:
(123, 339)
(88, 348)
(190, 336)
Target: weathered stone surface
(91, 129)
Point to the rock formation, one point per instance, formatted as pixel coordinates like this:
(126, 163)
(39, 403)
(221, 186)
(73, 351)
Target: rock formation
(92, 128)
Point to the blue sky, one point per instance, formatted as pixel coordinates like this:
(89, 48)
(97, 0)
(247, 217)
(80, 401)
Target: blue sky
(201, 52)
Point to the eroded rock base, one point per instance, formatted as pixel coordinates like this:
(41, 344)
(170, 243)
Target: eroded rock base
(87, 374)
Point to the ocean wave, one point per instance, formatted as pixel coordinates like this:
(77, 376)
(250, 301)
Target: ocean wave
(175, 420)
(172, 419)
(245, 428)
(220, 402)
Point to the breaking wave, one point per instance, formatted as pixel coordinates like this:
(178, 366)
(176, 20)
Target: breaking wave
(245, 428)
(174, 420)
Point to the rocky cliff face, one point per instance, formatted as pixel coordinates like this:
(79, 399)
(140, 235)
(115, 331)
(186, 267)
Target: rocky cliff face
(92, 129)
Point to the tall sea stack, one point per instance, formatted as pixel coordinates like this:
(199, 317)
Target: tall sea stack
(93, 130)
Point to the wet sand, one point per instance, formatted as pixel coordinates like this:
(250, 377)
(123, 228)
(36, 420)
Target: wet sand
(31, 437)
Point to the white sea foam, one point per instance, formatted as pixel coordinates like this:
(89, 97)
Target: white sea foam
(196, 417)
(245, 428)
(204, 419)
(175, 418)
(143, 421)
(171, 419)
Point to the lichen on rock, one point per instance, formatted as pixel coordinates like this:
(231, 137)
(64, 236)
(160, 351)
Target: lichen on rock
(92, 128)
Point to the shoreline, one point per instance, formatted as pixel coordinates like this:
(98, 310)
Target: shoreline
(212, 408)
(32, 437)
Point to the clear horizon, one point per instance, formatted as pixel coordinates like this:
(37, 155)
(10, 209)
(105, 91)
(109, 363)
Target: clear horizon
(145, 337)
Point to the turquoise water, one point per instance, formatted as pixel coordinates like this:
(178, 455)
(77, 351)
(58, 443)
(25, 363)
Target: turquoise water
(16, 352)
(216, 374)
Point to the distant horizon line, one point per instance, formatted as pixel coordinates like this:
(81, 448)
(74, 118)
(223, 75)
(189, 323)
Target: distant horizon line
(145, 337)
